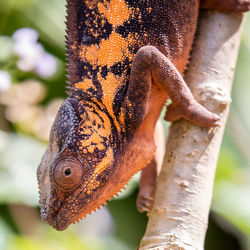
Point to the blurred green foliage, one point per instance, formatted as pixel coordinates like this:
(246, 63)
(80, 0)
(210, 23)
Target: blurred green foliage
(23, 140)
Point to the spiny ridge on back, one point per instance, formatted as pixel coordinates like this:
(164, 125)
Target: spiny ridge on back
(71, 39)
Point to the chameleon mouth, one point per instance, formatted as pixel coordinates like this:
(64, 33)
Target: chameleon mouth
(58, 225)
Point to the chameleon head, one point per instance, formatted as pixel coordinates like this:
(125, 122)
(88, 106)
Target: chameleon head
(75, 166)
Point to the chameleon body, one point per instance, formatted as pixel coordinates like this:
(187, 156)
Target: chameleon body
(125, 59)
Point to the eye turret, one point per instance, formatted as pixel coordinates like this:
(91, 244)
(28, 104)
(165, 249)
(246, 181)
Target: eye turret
(67, 173)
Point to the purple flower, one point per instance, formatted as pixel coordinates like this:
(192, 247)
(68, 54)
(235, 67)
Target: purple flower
(5, 81)
(31, 54)
(27, 35)
(46, 66)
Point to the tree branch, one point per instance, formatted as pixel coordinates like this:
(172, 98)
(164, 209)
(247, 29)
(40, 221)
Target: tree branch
(179, 217)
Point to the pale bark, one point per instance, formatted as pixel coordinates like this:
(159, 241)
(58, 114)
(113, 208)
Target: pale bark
(179, 216)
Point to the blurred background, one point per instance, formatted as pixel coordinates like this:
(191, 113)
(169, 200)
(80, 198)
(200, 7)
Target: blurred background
(32, 87)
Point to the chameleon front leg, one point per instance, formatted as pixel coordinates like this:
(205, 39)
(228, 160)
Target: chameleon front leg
(151, 172)
(151, 70)
(226, 5)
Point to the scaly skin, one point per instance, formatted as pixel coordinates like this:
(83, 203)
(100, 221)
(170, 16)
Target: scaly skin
(125, 58)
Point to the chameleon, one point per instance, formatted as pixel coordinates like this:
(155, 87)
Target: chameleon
(125, 59)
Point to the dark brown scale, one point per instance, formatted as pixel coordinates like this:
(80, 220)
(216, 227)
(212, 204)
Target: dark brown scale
(159, 23)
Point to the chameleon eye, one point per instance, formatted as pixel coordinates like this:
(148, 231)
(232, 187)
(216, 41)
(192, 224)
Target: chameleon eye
(68, 173)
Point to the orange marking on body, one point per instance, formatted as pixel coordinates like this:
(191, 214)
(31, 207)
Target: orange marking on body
(122, 117)
(82, 52)
(93, 184)
(102, 9)
(95, 138)
(100, 146)
(91, 4)
(106, 161)
(74, 47)
(106, 131)
(85, 143)
(116, 12)
(109, 88)
(102, 22)
(85, 84)
(89, 53)
(113, 50)
(92, 53)
(91, 149)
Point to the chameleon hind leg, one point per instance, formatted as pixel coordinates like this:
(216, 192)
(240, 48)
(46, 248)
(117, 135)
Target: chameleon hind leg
(153, 77)
(151, 70)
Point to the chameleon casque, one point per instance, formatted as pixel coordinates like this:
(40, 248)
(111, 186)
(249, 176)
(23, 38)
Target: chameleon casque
(125, 59)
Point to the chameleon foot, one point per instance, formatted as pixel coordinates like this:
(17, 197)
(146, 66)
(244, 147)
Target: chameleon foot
(195, 113)
(144, 203)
